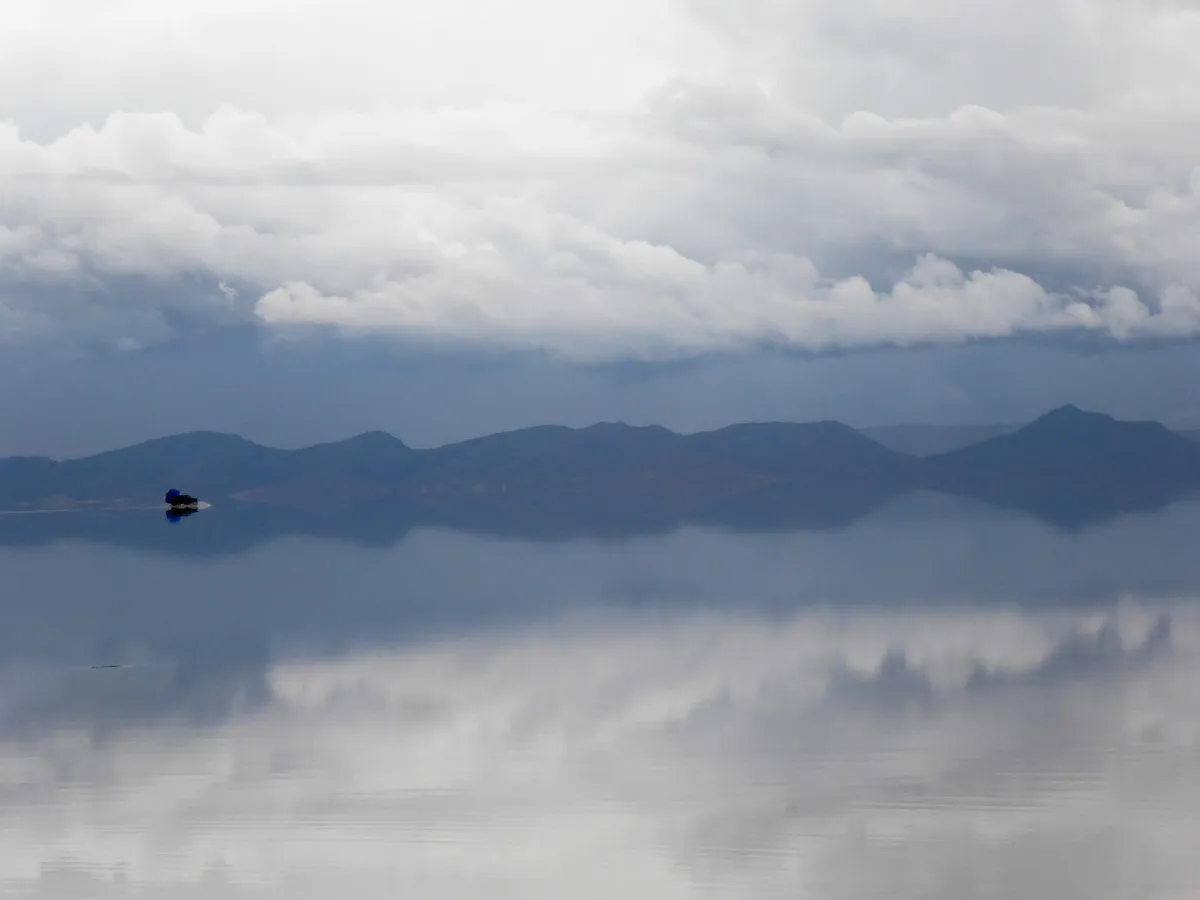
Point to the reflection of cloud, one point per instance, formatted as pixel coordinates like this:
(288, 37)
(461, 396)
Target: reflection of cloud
(688, 755)
(895, 684)
(1087, 655)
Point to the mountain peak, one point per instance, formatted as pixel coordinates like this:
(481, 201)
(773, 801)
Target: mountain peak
(1067, 409)
(372, 449)
(620, 427)
(1070, 417)
(375, 438)
(1070, 411)
(187, 441)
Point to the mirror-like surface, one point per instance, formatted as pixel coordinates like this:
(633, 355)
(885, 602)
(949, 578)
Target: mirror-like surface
(938, 701)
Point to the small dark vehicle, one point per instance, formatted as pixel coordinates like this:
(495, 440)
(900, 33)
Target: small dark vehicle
(176, 500)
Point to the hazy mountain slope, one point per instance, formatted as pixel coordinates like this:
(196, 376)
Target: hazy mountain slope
(926, 440)
(1073, 462)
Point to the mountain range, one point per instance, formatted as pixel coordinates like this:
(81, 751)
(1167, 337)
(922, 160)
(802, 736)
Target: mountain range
(1067, 466)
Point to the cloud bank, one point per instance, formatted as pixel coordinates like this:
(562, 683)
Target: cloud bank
(646, 179)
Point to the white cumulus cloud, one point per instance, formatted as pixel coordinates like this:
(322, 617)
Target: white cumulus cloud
(600, 180)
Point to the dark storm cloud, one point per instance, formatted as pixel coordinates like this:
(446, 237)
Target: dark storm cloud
(296, 393)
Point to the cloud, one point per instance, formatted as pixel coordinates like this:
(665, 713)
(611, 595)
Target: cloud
(641, 179)
(606, 297)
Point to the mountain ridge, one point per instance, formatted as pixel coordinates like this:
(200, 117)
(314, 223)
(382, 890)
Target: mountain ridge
(1067, 463)
(1067, 459)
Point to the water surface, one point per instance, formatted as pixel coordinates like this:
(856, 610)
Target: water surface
(939, 701)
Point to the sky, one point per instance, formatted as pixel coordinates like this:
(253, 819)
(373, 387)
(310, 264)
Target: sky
(301, 220)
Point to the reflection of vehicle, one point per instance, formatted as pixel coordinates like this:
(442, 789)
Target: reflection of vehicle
(176, 500)
(175, 513)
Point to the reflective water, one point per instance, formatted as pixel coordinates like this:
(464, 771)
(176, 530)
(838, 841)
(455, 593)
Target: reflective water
(937, 702)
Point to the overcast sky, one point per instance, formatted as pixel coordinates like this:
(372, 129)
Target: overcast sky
(301, 219)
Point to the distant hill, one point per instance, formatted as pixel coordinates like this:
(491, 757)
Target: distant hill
(1070, 464)
(920, 439)
(208, 463)
(614, 478)
(608, 476)
(926, 440)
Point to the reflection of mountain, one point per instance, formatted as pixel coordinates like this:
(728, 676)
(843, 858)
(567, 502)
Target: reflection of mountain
(222, 530)
(1068, 467)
